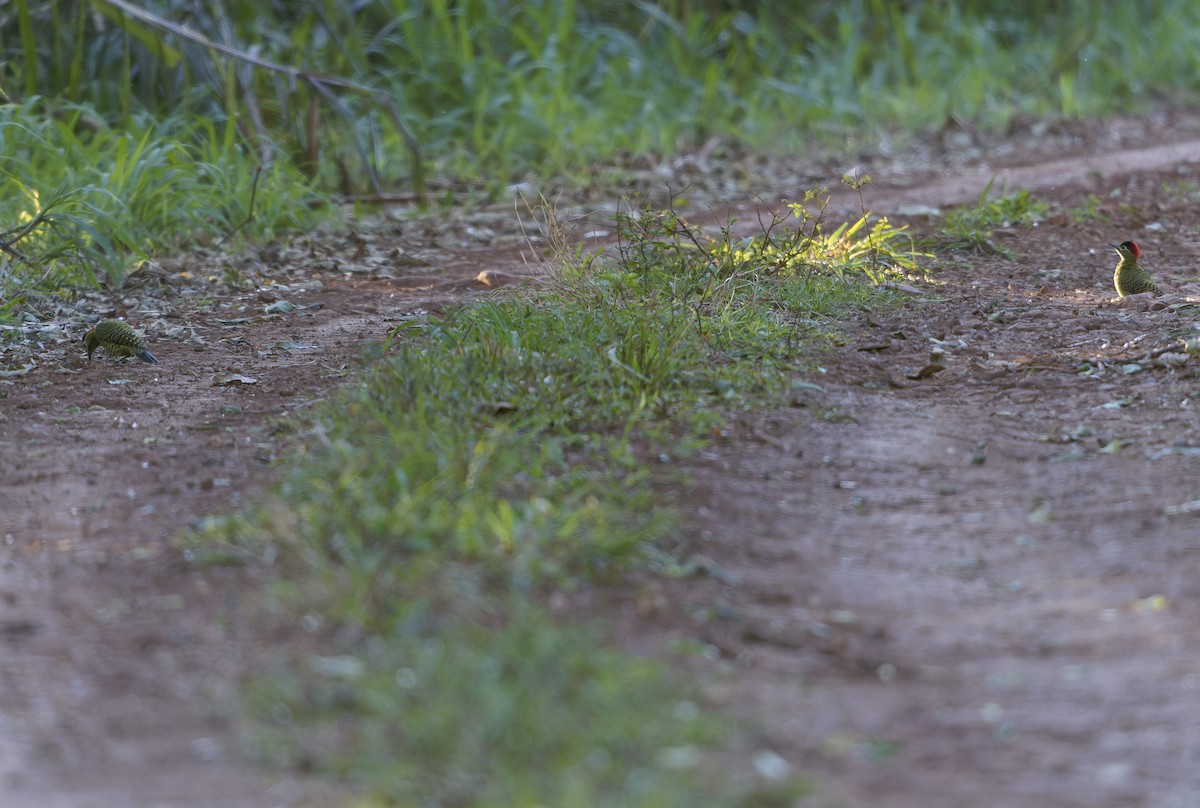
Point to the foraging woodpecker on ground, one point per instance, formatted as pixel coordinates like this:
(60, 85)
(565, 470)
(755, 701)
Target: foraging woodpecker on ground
(1129, 277)
(119, 339)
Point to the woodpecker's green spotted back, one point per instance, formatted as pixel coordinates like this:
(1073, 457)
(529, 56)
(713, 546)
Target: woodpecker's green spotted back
(1129, 277)
(118, 339)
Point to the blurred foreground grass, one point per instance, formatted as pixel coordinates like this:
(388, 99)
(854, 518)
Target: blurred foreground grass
(510, 452)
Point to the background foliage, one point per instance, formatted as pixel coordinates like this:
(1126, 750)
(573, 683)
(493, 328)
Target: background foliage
(493, 89)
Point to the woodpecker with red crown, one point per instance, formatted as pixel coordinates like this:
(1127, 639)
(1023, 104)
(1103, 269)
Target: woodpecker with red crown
(1129, 277)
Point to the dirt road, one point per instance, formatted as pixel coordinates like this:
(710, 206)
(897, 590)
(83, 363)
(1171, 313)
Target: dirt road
(976, 588)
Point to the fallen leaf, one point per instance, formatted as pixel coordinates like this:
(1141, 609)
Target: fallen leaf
(1070, 455)
(233, 378)
(494, 408)
(1170, 360)
(908, 289)
(926, 372)
(21, 371)
(1119, 403)
(490, 277)
(1041, 514)
(1192, 507)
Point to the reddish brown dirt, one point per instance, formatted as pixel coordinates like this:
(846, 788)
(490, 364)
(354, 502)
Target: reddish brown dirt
(969, 589)
(120, 658)
(980, 587)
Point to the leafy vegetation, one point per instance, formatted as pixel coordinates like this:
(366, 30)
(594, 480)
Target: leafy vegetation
(504, 454)
(87, 203)
(493, 90)
(1089, 210)
(971, 226)
(841, 252)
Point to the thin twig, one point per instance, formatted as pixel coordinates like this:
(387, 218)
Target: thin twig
(249, 210)
(1174, 347)
(8, 248)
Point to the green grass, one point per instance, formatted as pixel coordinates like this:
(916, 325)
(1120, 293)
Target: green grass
(510, 452)
(494, 90)
(971, 226)
(527, 714)
(84, 202)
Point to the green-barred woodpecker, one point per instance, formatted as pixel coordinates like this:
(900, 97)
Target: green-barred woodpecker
(1129, 277)
(119, 339)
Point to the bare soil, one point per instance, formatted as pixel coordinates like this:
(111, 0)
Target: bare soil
(978, 587)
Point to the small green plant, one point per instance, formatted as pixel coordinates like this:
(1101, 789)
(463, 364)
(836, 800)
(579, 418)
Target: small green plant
(1088, 211)
(874, 251)
(1184, 190)
(971, 227)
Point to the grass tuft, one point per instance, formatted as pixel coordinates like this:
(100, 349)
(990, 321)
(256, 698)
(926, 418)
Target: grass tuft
(970, 227)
